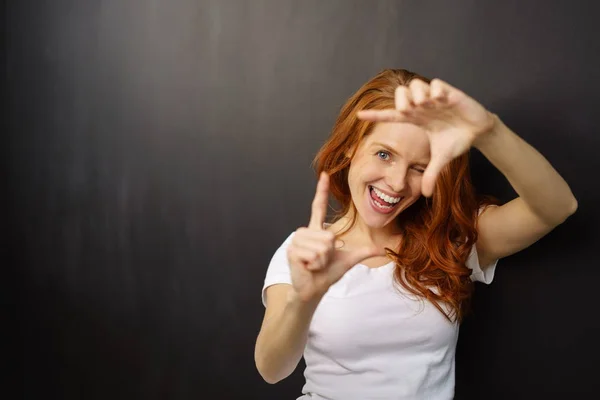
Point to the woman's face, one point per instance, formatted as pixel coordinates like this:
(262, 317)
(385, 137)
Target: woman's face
(385, 174)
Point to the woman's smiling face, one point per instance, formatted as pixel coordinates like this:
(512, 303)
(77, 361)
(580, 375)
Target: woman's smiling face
(385, 173)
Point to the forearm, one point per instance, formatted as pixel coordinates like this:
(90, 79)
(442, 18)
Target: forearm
(530, 174)
(282, 339)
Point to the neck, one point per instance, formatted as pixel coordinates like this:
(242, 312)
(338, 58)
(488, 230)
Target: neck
(365, 234)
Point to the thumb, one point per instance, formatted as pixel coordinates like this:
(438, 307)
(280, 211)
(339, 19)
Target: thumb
(351, 258)
(430, 175)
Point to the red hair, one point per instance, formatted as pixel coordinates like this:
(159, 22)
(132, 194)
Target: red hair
(437, 233)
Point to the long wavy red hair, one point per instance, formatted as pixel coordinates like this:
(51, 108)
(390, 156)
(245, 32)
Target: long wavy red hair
(437, 233)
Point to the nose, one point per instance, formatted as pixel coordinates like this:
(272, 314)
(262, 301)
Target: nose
(396, 178)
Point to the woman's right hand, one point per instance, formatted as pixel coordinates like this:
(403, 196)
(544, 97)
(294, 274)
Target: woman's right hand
(315, 263)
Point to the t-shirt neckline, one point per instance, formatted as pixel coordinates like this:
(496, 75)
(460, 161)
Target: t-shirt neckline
(382, 267)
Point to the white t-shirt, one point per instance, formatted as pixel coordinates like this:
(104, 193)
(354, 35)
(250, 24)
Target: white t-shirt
(370, 339)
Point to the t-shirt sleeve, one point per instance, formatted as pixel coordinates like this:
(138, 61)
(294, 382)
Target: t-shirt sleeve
(480, 273)
(279, 269)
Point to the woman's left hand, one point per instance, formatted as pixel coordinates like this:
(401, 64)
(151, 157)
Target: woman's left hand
(452, 120)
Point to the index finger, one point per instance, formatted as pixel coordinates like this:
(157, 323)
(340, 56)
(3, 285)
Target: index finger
(389, 115)
(319, 204)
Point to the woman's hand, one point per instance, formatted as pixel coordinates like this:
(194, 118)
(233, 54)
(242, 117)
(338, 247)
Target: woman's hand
(315, 263)
(452, 120)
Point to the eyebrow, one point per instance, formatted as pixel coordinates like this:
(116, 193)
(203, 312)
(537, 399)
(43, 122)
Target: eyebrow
(391, 150)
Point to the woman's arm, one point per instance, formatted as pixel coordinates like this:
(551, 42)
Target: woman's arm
(283, 334)
(545, 199)
(314, 265)
(454, 122)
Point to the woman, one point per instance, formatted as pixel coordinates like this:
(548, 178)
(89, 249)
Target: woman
(374, 300)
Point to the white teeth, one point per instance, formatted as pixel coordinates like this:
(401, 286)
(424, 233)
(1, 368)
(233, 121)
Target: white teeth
(378, 205)
(385, 197)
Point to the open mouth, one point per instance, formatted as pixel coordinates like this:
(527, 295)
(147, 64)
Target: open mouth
(381, 202)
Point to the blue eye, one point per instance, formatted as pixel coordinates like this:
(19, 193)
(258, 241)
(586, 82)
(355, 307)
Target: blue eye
(384, 155)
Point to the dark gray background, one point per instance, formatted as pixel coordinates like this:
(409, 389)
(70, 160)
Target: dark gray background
(159, 152)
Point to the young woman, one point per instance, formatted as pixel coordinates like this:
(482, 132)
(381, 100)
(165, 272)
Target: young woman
(374, 300)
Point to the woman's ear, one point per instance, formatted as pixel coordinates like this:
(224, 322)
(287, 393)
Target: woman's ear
(349, 152)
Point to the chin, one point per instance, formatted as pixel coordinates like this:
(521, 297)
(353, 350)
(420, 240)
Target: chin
(375, 221)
